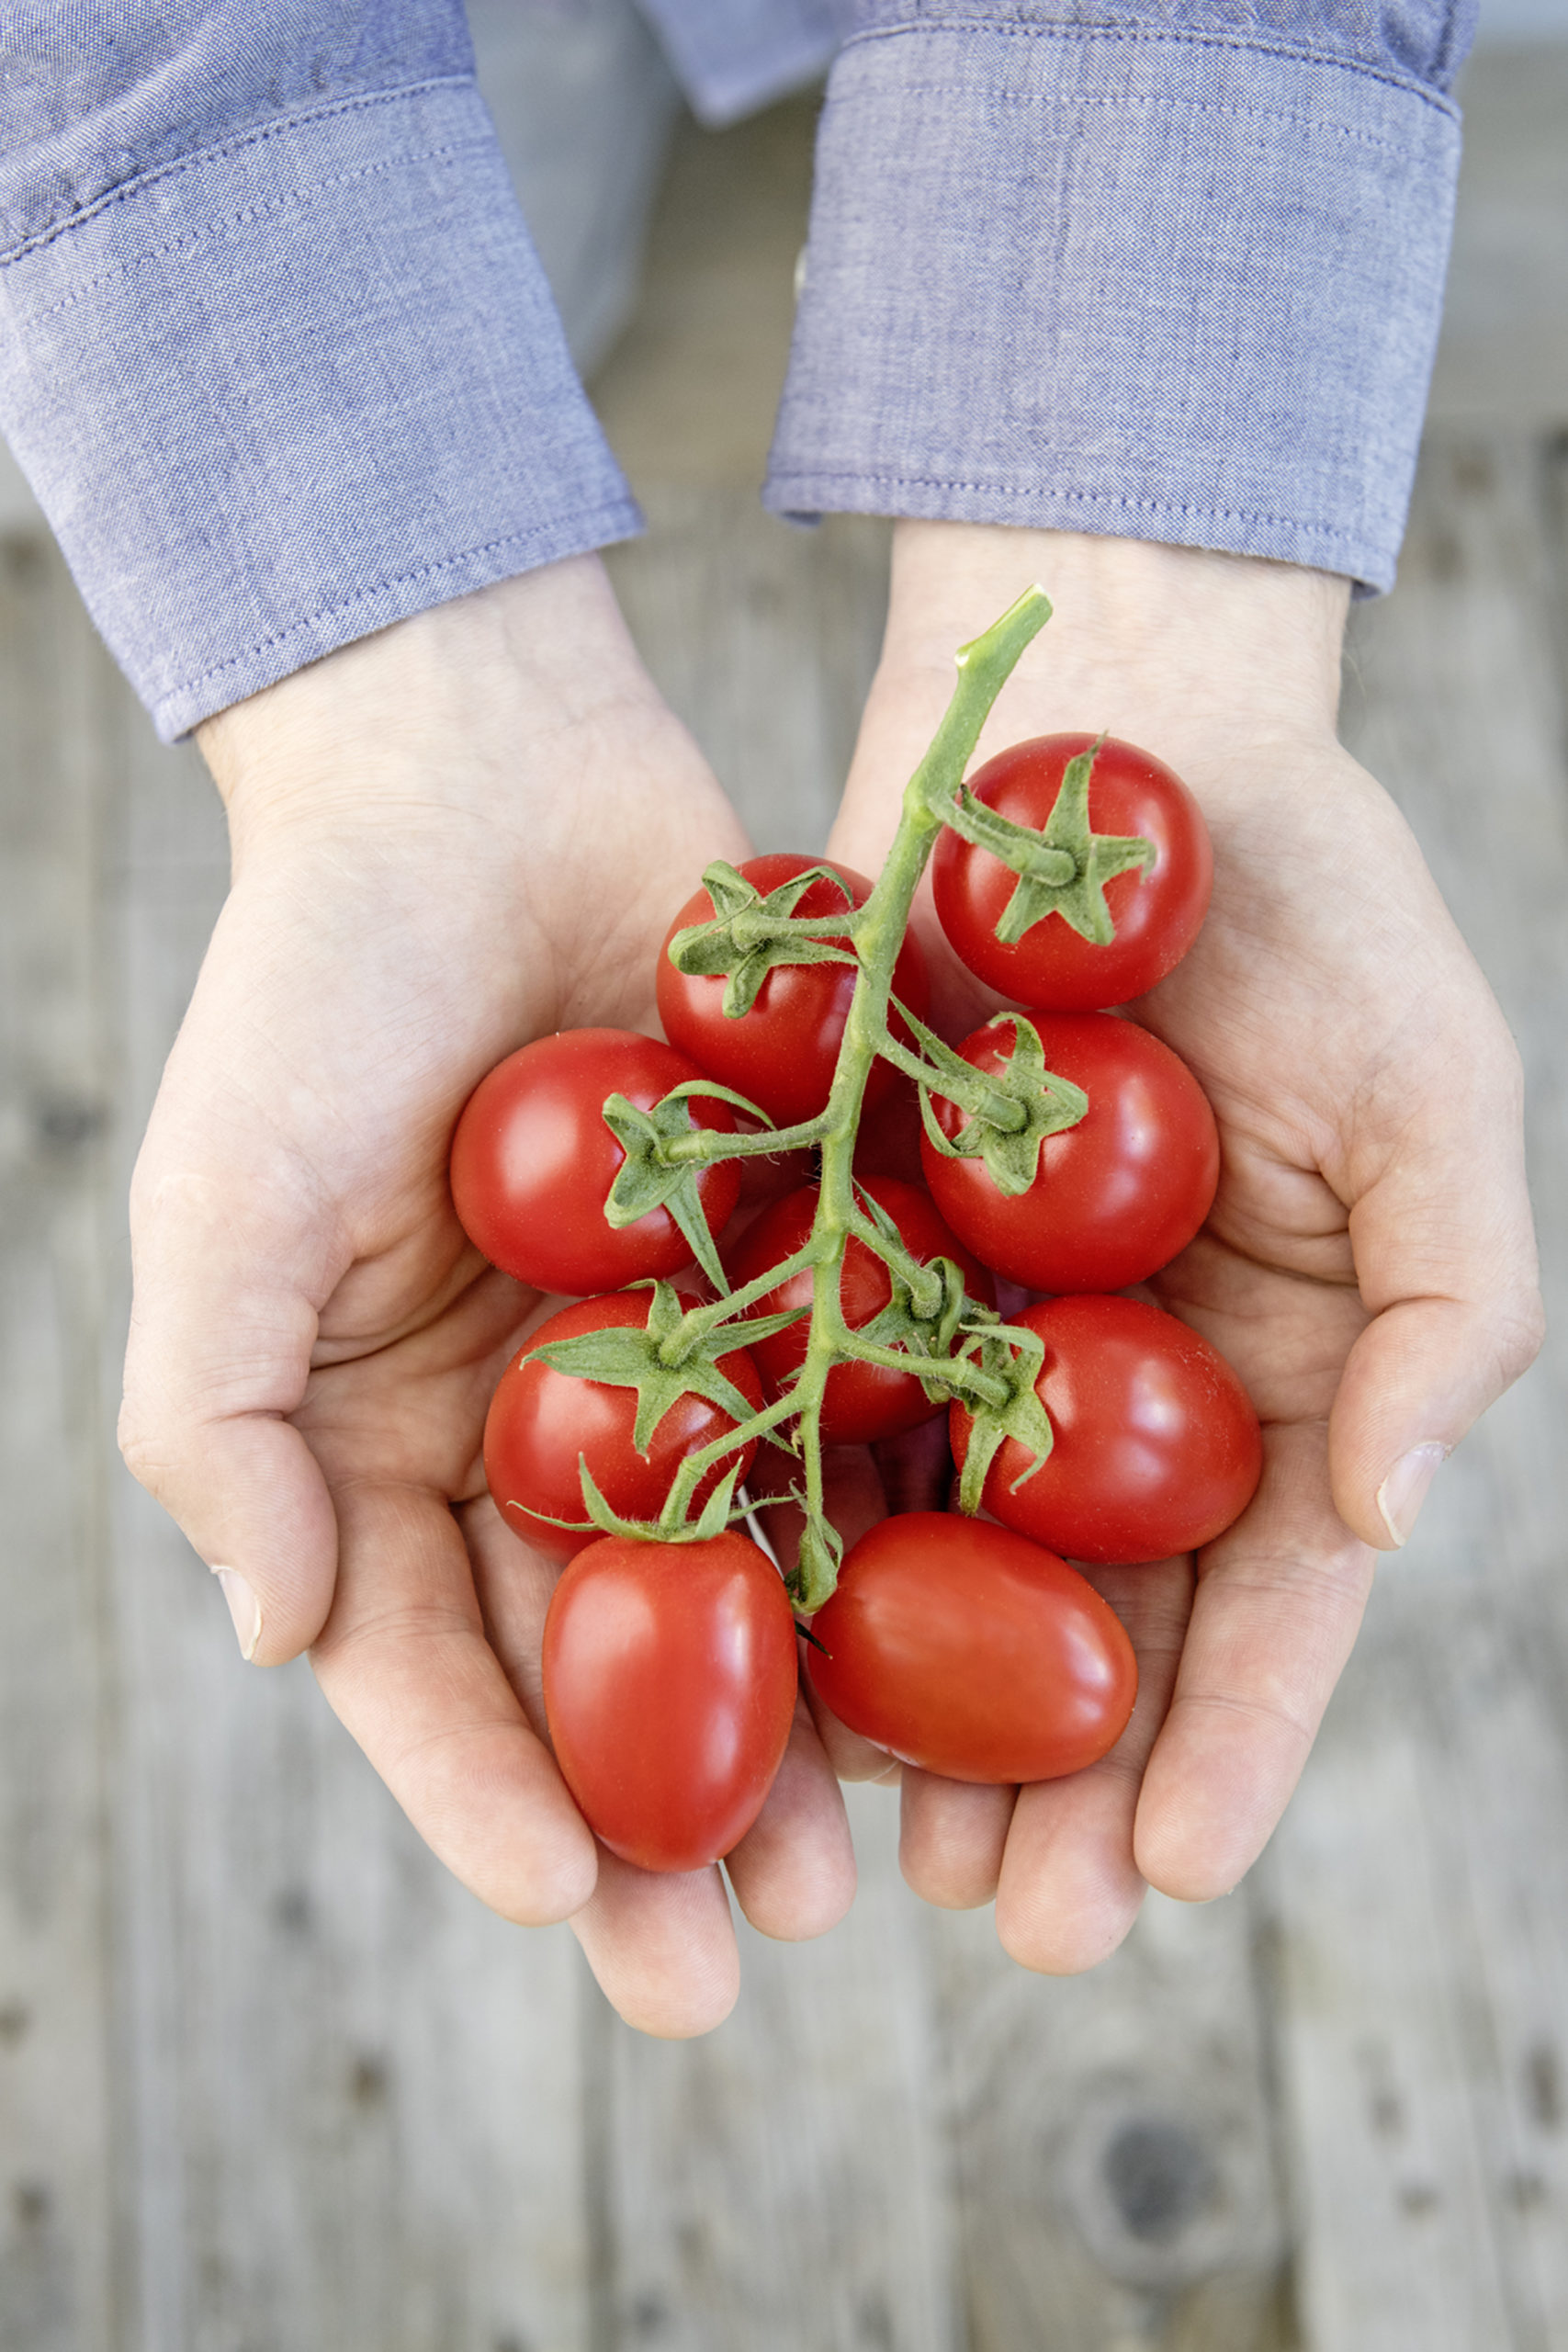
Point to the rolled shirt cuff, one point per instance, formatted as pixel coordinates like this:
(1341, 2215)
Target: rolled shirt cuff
(296, 387)
(1161, 285)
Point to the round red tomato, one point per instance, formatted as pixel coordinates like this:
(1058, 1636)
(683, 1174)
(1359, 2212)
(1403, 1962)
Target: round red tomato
(1156, 913)
(782, 1055)
(1158, 1448)
(1114, 1198)
(971, 1652)
(541, 1421)
(862, 1402)
(670, 1686)
(533, 1162)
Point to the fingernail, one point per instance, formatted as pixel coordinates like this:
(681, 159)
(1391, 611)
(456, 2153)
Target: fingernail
(1403, 1491)
(243, 1608)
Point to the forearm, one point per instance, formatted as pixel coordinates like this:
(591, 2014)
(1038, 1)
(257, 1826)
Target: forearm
(274, 347)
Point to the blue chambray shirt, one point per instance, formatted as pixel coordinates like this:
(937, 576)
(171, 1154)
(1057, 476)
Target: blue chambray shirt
(280, 360)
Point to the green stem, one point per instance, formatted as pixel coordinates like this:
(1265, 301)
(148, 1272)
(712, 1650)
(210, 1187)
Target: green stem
(705, 1144)
(698, 1321)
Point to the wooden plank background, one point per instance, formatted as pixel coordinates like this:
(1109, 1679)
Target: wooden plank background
(269, 2082)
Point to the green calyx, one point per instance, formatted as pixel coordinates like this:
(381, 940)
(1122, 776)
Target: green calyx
(662, 1361)
(1064, 868)
(673, 1525)
(1010, 1147)
(1013, 1357)
(749, 933)
(651, 1178)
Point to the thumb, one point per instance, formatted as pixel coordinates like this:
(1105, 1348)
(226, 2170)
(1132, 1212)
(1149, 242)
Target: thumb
(219, 1350)
(1445, 1255)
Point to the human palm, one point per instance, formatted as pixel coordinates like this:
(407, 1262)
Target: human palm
(424, 878)
(1367, 1267)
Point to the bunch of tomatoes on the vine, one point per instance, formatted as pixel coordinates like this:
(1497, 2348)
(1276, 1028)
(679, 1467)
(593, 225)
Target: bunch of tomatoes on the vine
(1065, 1149)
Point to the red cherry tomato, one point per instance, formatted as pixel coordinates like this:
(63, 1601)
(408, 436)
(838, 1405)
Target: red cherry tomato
(1114, 1198)
(1158, 1448)
(862, 1402)
(781, 1054)
(541, 1421)
(670, 1686)
(533, 1161)
(971, 1652)
(1156, 913)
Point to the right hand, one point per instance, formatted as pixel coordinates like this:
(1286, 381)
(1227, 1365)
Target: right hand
(467, 830)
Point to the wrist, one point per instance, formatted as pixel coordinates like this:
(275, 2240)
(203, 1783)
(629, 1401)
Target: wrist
(434, 718)
(1142, 635)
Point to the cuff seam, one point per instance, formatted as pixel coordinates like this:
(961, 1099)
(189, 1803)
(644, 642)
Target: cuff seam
(599, 528)
(1171, 36)
(778, 486)
(1078, 102)
(275, 128)
(251, 213)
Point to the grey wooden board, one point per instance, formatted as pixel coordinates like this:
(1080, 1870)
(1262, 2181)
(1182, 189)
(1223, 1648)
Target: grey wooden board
(56, 2103)
(1420, 1882)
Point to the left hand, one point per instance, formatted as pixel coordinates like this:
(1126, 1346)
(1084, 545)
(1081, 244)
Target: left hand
(1368, 1266)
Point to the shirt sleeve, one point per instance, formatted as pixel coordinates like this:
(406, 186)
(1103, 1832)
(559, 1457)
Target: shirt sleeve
(276, 352)
(1169, 273)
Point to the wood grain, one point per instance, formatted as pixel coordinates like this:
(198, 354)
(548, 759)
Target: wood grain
(57, 2108)
(1420, 1880)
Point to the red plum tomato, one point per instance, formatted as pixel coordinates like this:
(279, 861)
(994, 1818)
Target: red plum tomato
(782, 1055)
(533, 1162)
(1157, 1446)
(541, 1421)
(670, 1687)
(1158, 913)
(862, 1402)
(1114, 1198)
(965, 1650)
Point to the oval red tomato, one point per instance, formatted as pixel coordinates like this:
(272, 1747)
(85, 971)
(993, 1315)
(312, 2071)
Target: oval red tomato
(1157, 1445)
(533, 1162)
(669, 1685)
(541, 1421)
(1114, 1198)
(862, 1402)
(971, 1652)
(782, 1053)
(1158, 913)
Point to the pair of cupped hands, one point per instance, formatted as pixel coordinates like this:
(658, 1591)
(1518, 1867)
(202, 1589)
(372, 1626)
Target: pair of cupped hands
(472, 829)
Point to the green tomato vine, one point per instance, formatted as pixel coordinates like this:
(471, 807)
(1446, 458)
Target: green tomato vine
(956, 1345)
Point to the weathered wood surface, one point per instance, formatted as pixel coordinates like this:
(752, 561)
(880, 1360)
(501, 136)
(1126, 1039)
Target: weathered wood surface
(1421, 1880)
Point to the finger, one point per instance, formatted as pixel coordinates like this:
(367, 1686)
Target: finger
(405, 1666)
(1445, 1256)
(219, 1353)
(793, 1871)
(1280, 1598)
(950, 1837)
(663, 1947)
(1069, 1888)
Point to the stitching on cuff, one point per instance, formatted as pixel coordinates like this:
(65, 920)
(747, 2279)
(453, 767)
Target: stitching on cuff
(359, 104)
(1182, 40)
(778, 486)
(1072, 103)
(253, 212)
(622, 518)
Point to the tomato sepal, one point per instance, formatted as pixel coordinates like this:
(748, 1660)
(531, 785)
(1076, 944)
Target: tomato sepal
(718, 1513)
(649, 1180)
(627, 1356)
(1064, 867)
(1012, 1355)
(750, 932)
(1050, 1104)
